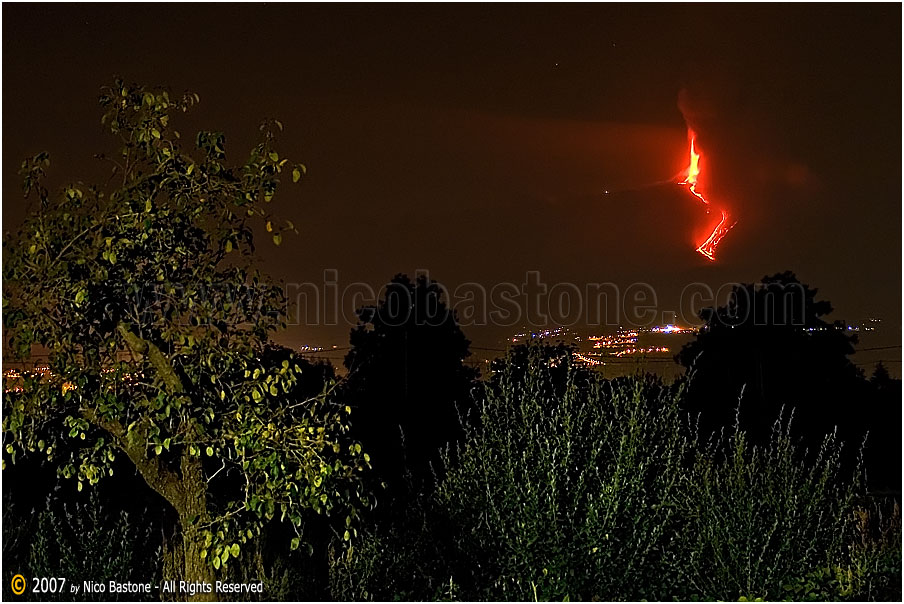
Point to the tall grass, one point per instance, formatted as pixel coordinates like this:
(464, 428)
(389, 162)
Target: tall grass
(569, 495)
(568, 486)
(757, 517)
(91, 541)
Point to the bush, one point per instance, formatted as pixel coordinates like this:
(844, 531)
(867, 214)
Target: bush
(756, 516)
(566, 496)
(601, 490)
(18, 531)
(872, 569)
(407, 558)
(84, 541)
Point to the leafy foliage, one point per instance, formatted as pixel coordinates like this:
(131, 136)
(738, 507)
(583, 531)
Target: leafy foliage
(145, 295)
(407, 378)
(600, 490)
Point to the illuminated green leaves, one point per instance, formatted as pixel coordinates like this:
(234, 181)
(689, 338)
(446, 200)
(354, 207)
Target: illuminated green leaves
(145, 252)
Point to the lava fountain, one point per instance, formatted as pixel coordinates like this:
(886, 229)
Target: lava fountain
(708, 246)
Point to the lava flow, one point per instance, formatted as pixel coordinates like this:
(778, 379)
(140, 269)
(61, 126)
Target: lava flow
(709, 245)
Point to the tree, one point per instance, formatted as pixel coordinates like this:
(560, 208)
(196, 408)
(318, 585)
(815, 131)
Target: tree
(884, 408)
(771, 348)
(407, 377)
(145, 294)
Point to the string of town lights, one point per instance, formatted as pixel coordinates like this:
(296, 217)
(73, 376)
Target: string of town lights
(615, 349)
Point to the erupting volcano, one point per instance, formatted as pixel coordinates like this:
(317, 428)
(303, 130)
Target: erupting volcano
(709, 245)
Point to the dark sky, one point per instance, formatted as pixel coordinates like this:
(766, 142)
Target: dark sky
(477, 141)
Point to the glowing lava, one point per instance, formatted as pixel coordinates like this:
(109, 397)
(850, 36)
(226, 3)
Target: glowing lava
(709, 245)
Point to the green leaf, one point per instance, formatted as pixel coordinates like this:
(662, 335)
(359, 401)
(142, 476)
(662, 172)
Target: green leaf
(347, 536)
(235, 550)
(228, 246)
(216, 563)
(295, 543)
(158, 450)
(277, 239)
(274, 156)
(296, 175)
(209, 451)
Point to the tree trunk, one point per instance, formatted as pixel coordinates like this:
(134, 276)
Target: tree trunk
(192, 514)
(182, 562)
(182, 552)
(187, 493)
(195, 568)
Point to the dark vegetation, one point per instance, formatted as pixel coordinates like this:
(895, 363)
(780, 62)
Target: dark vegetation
(407, 383)
(413, 477)
(772, 341)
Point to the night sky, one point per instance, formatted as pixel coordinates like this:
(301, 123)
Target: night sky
(477, 141)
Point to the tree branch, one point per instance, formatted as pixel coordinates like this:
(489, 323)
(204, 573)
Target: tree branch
(141, 348)
(159, 478)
